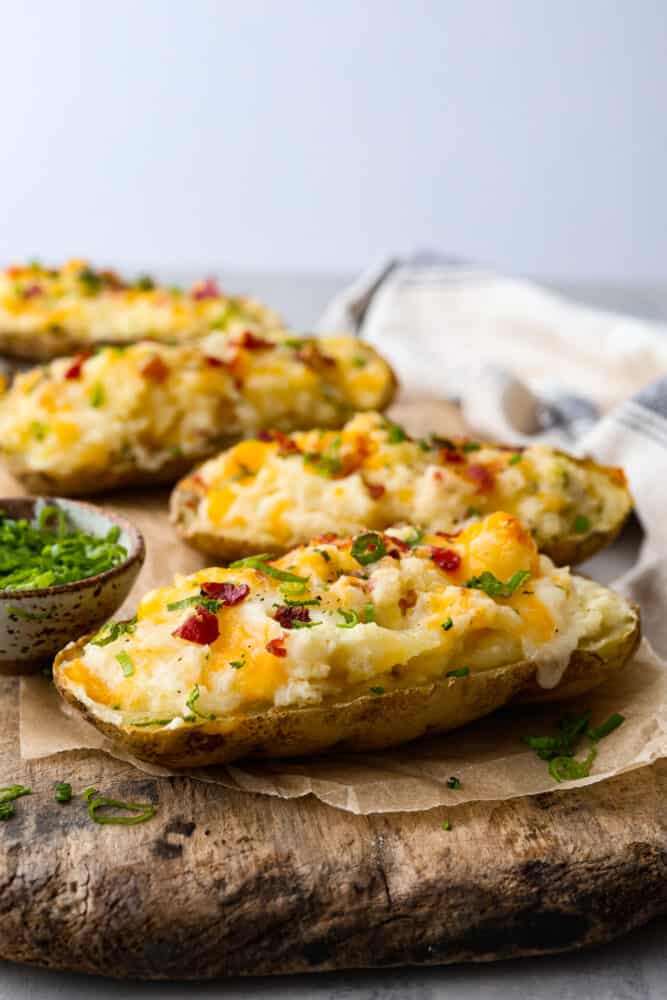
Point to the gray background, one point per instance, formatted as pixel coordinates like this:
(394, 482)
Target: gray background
(306, 135)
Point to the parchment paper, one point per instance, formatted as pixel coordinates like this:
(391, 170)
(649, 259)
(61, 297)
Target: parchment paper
(488, 756)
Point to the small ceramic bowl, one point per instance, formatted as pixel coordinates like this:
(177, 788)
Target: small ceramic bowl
(35, 624)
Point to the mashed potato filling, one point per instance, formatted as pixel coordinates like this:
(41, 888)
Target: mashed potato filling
(148, 403)
(96, 306)
(372, 474)
(338, 619)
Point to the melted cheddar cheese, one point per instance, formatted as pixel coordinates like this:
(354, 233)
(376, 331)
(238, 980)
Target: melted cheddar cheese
(371, 474)
(336, 619)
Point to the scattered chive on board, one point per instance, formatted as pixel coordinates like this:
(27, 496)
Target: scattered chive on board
(48, 553)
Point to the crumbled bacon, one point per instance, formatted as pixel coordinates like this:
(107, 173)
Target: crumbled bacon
(201, 627)
(74, 370)
(277, 647)
(326, 538)
(399, 543)
(312, 357)
(376, 490)
(286, 616)
(453, 457)
(446, 559)
(214, 362)
(229, 593)
(482, 476)
(155, 369)
(206, 289)
(407, 602)
(31, 291)
(286, 445)
(252, 342)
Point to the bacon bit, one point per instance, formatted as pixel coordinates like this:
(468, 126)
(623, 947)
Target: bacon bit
(312, 357)
(112, 280)
(326, 538)
(155, 369)
(286, 446)
(201, 627)
(251, 342)
(446, 559)
(14, 271)
(229, 593)
(74, 370)
(277, 647)
(286, 616)
(31, 291)
(454, 457)
(206, 289)
(481, 475)
(407, 602)
(376, 490)
(214, 362)
(399, 543)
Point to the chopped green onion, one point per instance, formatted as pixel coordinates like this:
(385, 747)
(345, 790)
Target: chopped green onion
(471, 446)
(606, 727)
(63, 792)
(581, 525)
(97, 395)
(376, 690)
(516, 458)
(453, 782)
(126, 663)
(368, 548)
(493, 587)
(260, 564)
(447, 624)
(237, 664)
(569, 769)
(112, 630)
(191, 703)
(446, 825)
(460, 672)
(141, 811)
(368, 614)
(396, 434)
(351, 618)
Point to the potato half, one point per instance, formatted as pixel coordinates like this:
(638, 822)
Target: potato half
(275, 493)
(354, 644)
(51, 312)
(146, 413)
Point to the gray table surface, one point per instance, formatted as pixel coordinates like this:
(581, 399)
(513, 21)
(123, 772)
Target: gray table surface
(634, 968)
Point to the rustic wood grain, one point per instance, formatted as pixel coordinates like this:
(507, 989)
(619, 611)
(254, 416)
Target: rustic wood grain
(227, 883)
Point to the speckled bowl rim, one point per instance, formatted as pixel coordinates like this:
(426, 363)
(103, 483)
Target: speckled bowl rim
(137, 552)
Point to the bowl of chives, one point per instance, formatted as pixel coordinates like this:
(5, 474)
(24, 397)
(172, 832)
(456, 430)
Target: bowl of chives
(65, 568)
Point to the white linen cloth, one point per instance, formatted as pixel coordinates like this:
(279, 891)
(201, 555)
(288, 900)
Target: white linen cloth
(526, 364)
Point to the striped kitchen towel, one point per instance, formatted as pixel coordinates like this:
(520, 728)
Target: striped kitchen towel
(527, 364)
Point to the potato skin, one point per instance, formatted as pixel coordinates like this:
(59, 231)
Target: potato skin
(366, 723)
(569, 550)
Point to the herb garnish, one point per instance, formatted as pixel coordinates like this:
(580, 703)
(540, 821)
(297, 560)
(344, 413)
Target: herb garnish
(36, 556)
(126, 663)
(326, 463)
(493, 587)
(471, 446)
(350, 618)
(7, 796)
(460, 672)
(453, 782)
(112, 630)
(446, 825)
(368, 548)
(559, 749)
(396, 434)
(97, 395)
(516, 458)
(260, 563)
(376, 690)
(581, 524)
(447, 624)
(63, 792)
(191, 703)
(141, 811)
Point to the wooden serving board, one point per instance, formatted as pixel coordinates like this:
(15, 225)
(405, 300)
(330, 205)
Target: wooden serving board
(228, 883)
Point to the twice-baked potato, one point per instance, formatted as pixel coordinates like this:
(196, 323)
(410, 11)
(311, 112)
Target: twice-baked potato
(346, 644)
(146, 413)
(49, 312)
(277, 492)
